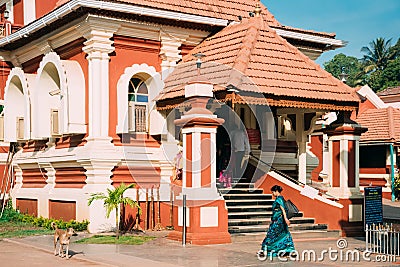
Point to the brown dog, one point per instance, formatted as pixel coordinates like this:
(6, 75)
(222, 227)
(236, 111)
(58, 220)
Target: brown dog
(64, 237)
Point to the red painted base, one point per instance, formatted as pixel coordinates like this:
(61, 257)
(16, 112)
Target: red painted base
(202, 238)
(202, 235)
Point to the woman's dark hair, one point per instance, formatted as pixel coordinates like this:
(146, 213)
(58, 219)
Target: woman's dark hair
(276, 188)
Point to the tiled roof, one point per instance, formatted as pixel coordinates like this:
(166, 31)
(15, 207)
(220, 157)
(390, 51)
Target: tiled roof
(254, 58)
(390, 91)
(221, 9)
(383, 124)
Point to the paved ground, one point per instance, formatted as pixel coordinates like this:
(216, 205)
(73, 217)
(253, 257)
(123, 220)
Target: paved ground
(17, 255)
(37, 251)
(391, 210)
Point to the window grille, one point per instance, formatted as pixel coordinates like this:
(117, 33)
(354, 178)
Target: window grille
(137, 105)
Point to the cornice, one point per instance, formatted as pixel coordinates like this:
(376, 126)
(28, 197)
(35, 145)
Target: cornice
(73, 5)
(92, 25)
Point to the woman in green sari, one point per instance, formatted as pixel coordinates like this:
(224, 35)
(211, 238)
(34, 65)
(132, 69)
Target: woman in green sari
(278, 241)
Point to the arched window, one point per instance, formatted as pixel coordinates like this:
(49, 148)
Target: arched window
(138, 97)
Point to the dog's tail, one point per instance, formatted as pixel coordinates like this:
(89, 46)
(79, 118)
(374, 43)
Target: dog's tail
(54, 225)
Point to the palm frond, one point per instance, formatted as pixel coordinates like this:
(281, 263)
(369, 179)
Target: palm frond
(114, 198)
(96, 196)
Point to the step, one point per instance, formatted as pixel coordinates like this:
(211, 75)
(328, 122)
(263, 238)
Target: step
(248, 215)
(312, 234)
(267, 221)
(240, 190)
(250, 210)
(243, 185)
(263, 228)
(247, 196)
(244, 208)
(249, 202)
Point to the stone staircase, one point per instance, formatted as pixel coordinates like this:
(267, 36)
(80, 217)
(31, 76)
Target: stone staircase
(250, 210)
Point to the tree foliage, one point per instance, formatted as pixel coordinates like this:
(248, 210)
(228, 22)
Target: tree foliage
(378, 55)
(379, 67)
(113, 200)
(350, 65)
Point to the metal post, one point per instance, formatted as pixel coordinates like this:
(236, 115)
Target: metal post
(184, 221)
(392, 171)
(366, 238)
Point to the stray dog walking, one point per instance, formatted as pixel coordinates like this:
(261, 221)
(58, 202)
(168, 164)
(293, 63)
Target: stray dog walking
(63, 236)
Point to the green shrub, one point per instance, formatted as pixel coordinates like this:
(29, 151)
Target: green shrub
(12, 215)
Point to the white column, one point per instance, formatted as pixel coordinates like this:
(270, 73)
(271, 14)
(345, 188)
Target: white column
(197, 191)
(253, 119)
(302, 162)
(301, 137)
(357, 163)
(29, 11)
(43, 195)
(98, 47)
(247, 117)
(18, 185)
(10, 7)
(196, 158)
(344, 163)
(330, 161)
(98, 156)
(170, 53)
(344, 191)
(270, 124)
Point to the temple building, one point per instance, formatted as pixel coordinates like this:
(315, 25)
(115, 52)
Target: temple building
(99, 93)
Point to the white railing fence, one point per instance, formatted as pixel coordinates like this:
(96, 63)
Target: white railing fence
(382, 239)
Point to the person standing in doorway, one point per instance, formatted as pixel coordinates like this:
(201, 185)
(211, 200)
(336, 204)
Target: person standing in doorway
(240, 149)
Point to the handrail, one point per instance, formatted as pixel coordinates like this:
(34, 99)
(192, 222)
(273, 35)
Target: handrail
(291, 178)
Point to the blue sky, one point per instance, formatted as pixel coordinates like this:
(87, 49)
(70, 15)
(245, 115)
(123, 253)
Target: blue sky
(356, 21)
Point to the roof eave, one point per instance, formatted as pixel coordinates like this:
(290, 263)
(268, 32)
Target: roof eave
(330, 42)
(73, 5)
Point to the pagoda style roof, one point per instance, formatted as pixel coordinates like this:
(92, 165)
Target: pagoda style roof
(254, 59)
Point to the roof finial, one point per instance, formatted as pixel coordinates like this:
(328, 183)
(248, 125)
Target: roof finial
(198, 62)
(257, 10)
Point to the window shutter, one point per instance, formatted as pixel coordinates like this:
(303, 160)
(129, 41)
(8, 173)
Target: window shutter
(131, 117)
(55, 129)
(20, 128)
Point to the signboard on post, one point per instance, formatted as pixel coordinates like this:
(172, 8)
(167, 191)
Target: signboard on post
(373, 209)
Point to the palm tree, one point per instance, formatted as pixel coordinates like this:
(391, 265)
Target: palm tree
(113, 200)
(377, 55)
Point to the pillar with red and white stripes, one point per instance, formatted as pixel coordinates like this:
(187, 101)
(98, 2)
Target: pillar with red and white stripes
(344, 136)
(206, 213)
